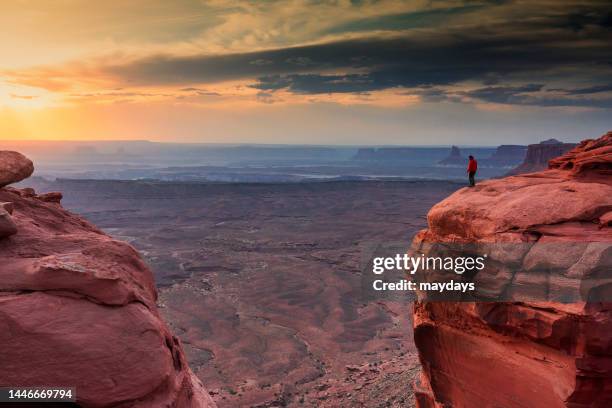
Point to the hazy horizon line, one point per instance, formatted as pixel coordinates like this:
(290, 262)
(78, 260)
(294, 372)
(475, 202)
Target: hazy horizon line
(251, 144)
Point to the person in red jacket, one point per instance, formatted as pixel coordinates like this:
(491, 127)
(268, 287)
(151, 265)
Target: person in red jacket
(471, 170)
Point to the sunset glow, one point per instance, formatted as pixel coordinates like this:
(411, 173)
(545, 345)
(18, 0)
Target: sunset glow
(304, 71)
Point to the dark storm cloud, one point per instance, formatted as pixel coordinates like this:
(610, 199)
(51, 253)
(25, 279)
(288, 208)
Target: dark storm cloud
(549, 45)
(402, 21)
(567, 102)
(582, 19)
(504, 94)
(318, 84)
(529, 95)
(439, 59)
(586, 91)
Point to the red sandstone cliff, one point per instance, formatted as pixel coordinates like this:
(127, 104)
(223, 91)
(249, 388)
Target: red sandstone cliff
(77, 308)
(527, 354)
(538, 155)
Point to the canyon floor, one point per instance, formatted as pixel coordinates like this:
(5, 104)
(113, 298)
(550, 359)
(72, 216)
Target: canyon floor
(262, 282)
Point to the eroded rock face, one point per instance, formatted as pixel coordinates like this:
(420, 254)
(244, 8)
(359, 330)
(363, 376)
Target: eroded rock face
(7, 225)
(14, 167)
(529, 354)
(77, 309)
(590, 159)
(538, 155)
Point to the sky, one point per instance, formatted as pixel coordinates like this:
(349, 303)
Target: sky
(306, 72)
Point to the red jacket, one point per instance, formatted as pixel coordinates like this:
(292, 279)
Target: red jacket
(472, 166)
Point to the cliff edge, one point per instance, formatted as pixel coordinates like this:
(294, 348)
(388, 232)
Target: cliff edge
(77, 308)
(524, 354)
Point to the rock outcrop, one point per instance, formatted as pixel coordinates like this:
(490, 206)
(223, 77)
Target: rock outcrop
(591, 158)
(524, 354)
(78, 309)
(539, 154)
(14, 167)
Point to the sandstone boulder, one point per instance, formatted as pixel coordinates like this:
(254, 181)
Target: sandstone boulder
(14, 167)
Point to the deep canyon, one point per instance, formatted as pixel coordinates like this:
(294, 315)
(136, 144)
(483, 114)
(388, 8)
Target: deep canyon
(262, 282)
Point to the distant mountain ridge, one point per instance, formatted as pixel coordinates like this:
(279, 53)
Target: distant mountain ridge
(414, 155)
(503, 156)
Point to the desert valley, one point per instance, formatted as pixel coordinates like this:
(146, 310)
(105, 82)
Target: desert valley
(262, 282)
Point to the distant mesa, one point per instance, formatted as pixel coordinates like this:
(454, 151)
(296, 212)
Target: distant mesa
(86, 151)
(552, 140)
(419, 156)
(539, 154)
(505, 156)
(388, 153)
(365, 153)
(93, 154)
(454, 158)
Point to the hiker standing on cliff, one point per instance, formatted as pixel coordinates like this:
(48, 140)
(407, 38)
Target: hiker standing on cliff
(471, 170)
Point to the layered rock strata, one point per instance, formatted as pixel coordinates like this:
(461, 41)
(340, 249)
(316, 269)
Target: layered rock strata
(530, 353)
(538, 155)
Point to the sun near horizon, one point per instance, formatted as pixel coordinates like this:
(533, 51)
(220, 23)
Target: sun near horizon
(303, 72)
